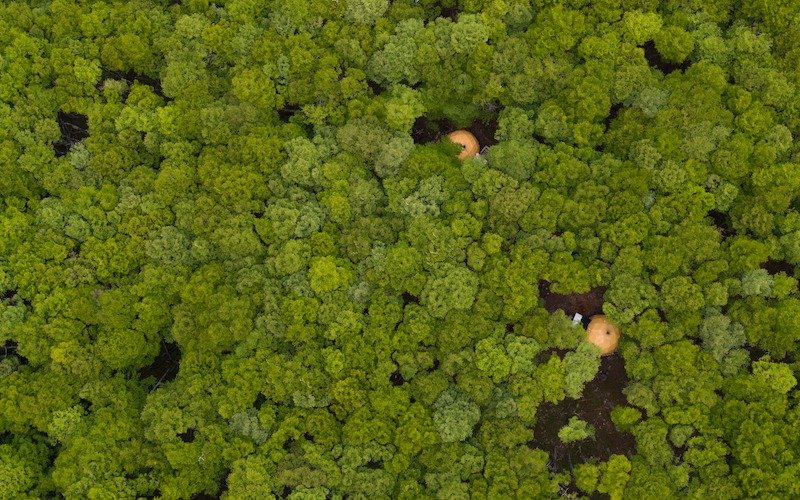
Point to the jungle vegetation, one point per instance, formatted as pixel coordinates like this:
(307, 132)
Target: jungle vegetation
(239, 259)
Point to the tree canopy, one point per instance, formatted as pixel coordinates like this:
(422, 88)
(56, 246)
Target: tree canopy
(240, 258)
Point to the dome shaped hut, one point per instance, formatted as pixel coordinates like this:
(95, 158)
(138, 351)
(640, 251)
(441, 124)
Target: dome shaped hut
(468, 142)
(603, 333)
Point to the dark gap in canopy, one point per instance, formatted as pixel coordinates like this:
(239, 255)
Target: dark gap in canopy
(599, 397)
(164, 367)
(74, 128)
(586, 304)
(722, 223)
(656, 60)
(129, 77)
(777, 266)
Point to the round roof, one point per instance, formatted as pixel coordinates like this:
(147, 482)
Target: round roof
(467, 140)
(603, 333)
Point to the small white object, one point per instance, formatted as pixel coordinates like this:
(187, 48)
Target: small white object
(484, 150)
(577, 319)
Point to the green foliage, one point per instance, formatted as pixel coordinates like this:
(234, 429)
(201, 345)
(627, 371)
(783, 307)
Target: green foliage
(614, 476)
(586, 476)
(23, 464)
(454, 289)
(776, 376)
(325, 275)
(652, 444)
(624, 417)
(673, 43)
(365, 11)
(551, 377)
(236, 247)
(492, 358)
(680, 295)
(455, 416)
(641, 26)
(580, 367)
(516, 158)
(575, 430)
(723, 339)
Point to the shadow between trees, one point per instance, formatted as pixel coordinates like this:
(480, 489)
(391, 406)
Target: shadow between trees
(778, 266)
(450, 13)
(655, 60)
(9, 349)
(130, 77)
(74, 128)
(164, 368)
(722, 222)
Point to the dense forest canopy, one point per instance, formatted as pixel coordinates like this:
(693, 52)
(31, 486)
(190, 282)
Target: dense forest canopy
(239, 257)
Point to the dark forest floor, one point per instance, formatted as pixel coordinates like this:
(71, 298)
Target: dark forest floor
(600, 396)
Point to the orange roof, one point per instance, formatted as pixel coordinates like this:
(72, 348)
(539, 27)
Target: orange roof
(603, 333)
(468, 141)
